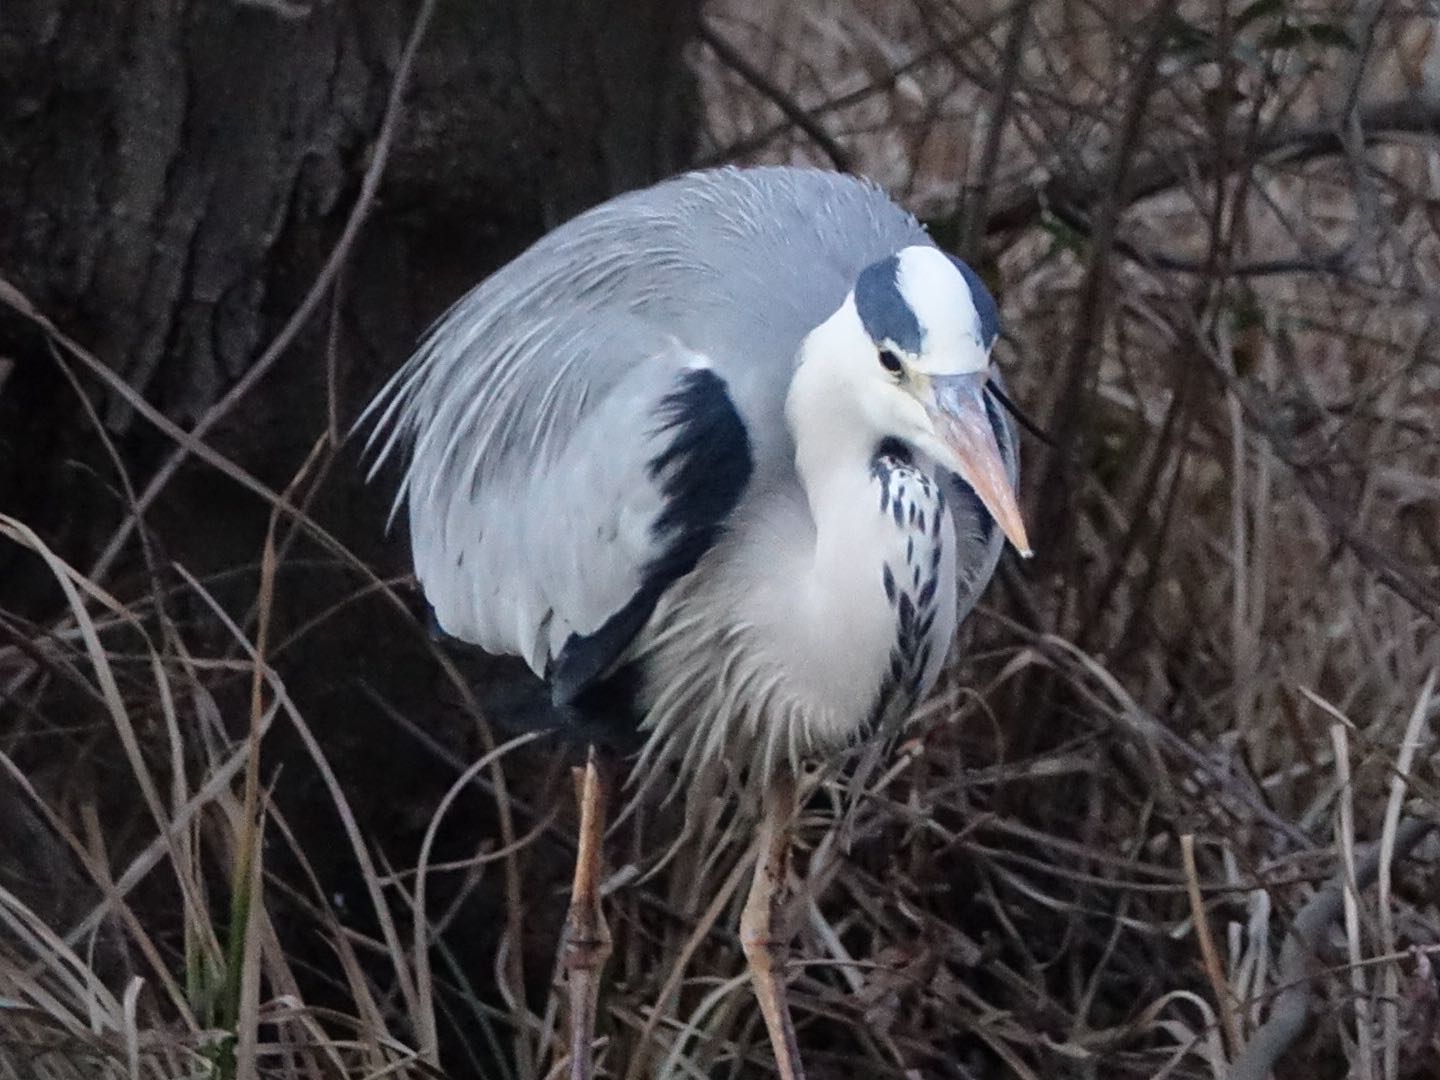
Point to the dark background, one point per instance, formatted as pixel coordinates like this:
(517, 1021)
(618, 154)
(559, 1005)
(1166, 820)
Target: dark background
(1214, 237)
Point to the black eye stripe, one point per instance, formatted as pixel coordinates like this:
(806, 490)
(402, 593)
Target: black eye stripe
(890, 362)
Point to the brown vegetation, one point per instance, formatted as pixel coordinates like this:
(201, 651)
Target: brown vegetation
(1170, 814)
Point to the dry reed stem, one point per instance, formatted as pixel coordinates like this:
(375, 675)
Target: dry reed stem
(1209, 955)
(1410, 744)
(1345, 841)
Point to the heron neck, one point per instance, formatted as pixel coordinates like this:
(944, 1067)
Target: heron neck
(839, 629)
(834, 448)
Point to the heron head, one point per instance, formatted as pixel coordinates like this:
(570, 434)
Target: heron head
(912, 343)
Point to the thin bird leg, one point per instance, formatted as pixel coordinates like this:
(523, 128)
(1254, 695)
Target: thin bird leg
(587, 937)
(762, 939)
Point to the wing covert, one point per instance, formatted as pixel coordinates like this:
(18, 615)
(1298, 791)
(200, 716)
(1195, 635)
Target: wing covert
(701, 471)
(561, 556)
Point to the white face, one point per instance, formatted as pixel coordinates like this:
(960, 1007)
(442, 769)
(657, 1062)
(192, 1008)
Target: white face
(937, 294)
(908, 320)
(910, 347)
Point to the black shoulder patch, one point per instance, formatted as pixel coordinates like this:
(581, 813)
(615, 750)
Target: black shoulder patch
(702, 473)
(704, 470)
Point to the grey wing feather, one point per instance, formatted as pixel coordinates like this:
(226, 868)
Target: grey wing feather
(528, 413)
(518, 560)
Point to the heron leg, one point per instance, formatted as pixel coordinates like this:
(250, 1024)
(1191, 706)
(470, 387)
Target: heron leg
(764, 944)
(587, 937)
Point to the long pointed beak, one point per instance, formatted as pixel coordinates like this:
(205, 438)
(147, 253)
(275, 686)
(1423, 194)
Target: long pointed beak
(957, 409)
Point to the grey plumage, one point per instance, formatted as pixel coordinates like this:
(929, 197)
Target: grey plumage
(543, 479)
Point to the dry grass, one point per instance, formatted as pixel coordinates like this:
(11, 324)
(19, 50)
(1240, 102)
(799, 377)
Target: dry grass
(1105, 852)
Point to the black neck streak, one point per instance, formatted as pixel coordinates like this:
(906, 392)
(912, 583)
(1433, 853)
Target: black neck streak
(910, 571)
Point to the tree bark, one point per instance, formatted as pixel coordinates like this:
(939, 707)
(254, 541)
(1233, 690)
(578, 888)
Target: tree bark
(173, 176)
(174, 172)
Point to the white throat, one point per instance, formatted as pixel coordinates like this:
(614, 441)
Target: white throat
(833, 438)
(844, 626)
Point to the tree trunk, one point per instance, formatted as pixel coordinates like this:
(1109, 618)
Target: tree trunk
(174, 172)
(173, 175)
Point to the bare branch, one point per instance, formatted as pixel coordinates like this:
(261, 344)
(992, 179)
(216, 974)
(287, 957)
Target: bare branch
(1285, 144)
(741, 65)
(1092, 302)
(977, 206)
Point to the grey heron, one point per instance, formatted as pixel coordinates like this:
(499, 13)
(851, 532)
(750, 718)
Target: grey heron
(722, 460)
